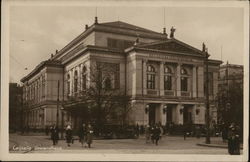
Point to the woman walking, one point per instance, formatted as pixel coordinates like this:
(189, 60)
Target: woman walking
(89, 135)
(68, 135)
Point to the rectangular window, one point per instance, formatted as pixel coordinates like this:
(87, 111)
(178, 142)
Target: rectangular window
(184, 84)
(150, 81)
(167, 82)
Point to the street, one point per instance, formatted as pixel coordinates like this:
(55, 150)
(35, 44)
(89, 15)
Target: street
(167, 145)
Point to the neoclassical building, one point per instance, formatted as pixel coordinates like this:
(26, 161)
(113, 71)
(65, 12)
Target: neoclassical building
(164, 77)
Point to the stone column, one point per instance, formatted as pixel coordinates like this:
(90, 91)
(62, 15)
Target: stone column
(194, 82)
(200, 75)
(178, 80)
(144, 73)
(161, 79)
(179, 116)
(163, 115)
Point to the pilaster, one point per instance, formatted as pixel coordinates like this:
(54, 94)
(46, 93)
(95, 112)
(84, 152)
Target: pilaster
(161, 79)
(194, 82)
(178, 80)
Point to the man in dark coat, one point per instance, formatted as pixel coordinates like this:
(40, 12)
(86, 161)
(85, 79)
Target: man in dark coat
(54, 134)
(156, 134)
(82, 135)
(233, 141)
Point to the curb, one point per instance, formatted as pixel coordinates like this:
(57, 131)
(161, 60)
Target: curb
(213, 145)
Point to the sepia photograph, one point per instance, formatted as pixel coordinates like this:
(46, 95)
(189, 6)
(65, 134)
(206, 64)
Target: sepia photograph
(125, 80)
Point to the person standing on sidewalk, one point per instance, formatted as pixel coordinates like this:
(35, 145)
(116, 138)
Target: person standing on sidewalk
(147, 133)
(54, 134)
(68, 135)
(82, 135)
(89, 135)
(156, 133)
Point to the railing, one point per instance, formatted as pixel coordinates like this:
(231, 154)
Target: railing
(185, 94)
(152, 92)
(169, 93)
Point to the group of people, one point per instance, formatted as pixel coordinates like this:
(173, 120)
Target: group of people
(233, 140)
(85, 135)
(153, 132)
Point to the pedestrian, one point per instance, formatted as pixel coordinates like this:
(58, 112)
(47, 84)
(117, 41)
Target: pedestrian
(69, 138)
(82, 135)
(89, 135)
(198, 131)
(156, 134)
(54, 134)
(185, 131)
(233, 140)
(152, 128)
(147, 133)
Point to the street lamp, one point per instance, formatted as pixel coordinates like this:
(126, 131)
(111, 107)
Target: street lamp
(207, 99)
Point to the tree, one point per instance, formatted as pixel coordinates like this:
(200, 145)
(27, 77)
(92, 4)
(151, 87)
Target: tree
(103, 101)
(230, 102)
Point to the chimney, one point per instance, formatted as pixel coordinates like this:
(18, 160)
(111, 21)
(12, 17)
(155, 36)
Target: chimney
(51, 55)
(96, 20)
(56, 51)
(86, 26)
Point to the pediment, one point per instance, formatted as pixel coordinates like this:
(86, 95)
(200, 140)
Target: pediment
(173, 46)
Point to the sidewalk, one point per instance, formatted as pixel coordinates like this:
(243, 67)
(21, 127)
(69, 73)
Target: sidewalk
(217, 143)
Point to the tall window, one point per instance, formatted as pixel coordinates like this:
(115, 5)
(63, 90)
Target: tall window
(68, 85)
(84, 78)
(150, 77)
(184, 80)
(167, 78)
(75, 81)
(43, 86)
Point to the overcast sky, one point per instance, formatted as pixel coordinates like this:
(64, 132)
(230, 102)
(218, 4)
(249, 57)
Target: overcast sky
(37, 31)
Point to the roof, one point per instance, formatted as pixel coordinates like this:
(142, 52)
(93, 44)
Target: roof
(120, 24)
(39, 67)
(169, 45)
(123, 28)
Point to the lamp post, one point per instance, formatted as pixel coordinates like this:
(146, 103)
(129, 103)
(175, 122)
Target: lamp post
(57, 108)
(207, 102)
(62, 122)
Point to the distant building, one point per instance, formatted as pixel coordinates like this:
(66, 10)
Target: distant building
(230, 75)
(163, 77)
(15, 106)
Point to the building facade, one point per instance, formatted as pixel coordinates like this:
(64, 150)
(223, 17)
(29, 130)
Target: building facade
(163, 77)
(15, 106)
(230, 93)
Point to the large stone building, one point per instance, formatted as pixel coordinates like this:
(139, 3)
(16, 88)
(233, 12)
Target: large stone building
(230, 93)
(163, 77)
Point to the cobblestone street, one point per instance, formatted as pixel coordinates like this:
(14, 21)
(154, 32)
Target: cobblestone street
(167, 145)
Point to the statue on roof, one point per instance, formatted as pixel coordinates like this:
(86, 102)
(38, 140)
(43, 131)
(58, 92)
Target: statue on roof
(203, 47)
(172, 30)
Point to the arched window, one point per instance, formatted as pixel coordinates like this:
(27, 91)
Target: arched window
(184, 80)
(75, 81)
(68, 84)
(167, 78)
(84, 78)
(150, 77)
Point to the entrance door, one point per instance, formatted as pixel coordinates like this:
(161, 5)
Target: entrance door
(169, 114)
(187, 115)
(151, 115)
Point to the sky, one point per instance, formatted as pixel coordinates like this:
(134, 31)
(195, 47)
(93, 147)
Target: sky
(37, 31)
